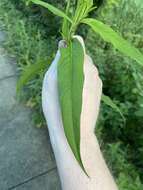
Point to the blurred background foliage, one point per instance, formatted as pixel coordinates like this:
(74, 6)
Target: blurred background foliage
(32, 36)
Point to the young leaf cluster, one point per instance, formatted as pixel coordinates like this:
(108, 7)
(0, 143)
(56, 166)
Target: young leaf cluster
(84, 7)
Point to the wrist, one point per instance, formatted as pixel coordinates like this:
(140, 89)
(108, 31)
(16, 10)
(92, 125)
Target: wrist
(89, 142)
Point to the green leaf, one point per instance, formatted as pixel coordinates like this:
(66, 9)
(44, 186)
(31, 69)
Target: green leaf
(70, 85)
(53, 9)
(29, 73)
(82, 10)
(107, 100)
(109, 35)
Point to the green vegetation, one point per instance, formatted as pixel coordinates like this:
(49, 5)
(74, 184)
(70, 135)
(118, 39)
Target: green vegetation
(31, 38)
(121, 142)
(72, 71)
(31, 44)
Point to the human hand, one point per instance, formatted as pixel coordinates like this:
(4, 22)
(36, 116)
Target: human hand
(72, 176)
(91, 94)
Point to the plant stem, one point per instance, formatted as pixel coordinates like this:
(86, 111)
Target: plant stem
(66, 24)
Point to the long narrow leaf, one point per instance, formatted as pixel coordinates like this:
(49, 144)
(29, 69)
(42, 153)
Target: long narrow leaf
(29, 73)
(109, 35)
(70, 84)
(108, 101)
(53, 9)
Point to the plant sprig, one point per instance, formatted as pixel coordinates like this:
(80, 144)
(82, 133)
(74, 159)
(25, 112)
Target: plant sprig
(73, 71)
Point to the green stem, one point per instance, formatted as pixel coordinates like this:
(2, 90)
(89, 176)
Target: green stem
(66, 24)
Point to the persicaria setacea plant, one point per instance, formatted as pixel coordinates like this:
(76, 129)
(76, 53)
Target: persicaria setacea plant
(70, 66)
